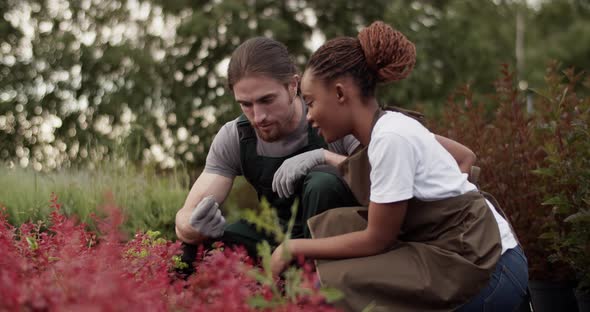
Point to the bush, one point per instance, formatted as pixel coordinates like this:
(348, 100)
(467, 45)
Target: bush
(566, 176)
(510, 145)
(60, 265)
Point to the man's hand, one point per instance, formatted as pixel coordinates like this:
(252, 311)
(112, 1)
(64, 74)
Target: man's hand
(207, 219)
(293, 169)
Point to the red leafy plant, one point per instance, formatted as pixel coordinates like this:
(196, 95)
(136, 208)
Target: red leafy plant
(529, 148)
(59, 265)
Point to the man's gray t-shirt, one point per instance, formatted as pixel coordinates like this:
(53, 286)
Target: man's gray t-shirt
(224, 154)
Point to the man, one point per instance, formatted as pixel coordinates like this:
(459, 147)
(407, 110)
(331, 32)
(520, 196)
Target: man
(272, 146)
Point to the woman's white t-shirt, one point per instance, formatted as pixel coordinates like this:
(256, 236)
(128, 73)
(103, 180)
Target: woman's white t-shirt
(407, 161)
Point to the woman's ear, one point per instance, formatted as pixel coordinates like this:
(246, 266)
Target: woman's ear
(340, 93)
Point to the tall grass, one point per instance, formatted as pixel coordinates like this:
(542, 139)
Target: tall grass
(149, 199)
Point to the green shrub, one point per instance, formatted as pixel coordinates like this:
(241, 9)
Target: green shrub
(566, 176)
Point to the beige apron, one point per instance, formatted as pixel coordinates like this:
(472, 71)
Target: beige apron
(445, 254)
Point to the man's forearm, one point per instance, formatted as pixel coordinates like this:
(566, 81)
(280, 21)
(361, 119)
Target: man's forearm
(184, 231)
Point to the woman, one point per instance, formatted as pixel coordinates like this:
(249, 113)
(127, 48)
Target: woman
(429, 240)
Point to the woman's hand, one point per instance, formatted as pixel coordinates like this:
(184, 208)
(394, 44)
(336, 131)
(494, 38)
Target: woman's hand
(280, 260)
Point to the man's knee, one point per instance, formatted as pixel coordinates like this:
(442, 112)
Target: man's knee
(323, 183)
(322, 191)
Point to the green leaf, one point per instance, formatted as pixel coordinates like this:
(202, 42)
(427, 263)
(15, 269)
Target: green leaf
(153, 234)
(264, 252)
(548, 235)
(261, 278)
(178, 263)
(32, 243)
(331, 294)
(540, 93)
(581, 216)
(555, 201)
(563, 96)
(370, 307)
(292, 219)
(553, 258)
(265, 219)
(293, 284)
(258, 302)
(544, 172)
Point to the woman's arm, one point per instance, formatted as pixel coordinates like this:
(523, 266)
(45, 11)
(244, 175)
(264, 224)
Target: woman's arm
(383, 227)
(463, 155)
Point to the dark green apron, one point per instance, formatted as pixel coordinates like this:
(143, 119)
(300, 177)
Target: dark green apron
(259, 172)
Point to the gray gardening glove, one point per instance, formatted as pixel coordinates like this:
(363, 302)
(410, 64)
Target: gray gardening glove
(207, 219)
(294, 169)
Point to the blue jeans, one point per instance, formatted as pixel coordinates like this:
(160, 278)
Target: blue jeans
(507, 287)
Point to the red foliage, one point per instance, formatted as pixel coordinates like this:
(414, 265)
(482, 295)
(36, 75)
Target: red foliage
(64, 267)
(511, 144)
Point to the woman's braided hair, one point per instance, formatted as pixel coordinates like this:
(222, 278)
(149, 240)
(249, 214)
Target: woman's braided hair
(380, 54)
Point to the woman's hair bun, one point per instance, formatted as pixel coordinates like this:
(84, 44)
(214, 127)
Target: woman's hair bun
(387, 52)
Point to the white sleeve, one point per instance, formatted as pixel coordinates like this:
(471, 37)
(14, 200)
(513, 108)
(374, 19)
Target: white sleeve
(393, 167)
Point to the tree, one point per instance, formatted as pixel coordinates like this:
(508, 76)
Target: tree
(89, 81)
